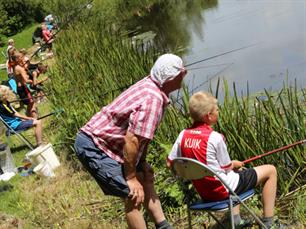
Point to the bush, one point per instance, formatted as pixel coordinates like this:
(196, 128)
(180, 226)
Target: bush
(17, 14)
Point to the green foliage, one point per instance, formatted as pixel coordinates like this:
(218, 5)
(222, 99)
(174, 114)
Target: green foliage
(253, 126)
(96, 61)
(17, 14)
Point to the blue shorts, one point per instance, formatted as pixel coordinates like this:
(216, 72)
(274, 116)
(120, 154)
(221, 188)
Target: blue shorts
(24, 125)
(107, 172)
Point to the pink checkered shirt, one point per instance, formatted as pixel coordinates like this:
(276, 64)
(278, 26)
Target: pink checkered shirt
(138, 110)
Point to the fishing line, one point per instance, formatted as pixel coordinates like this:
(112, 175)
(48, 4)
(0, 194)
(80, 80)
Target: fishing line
(209, 66)
(24, 99)
(221, 54)
(200, 85)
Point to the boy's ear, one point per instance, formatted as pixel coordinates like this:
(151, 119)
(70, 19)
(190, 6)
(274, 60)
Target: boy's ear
(206, 117)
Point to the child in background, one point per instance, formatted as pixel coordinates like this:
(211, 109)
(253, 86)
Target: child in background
(14, 119)
(202, 143)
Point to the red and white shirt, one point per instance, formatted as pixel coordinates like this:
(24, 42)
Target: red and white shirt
(202, 143)
(138, 110)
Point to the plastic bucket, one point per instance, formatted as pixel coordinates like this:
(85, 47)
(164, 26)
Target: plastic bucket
(6, 160)
(44, 169)
(44, 153)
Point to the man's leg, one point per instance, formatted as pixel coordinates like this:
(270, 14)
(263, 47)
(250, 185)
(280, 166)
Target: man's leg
(134, 215)
(108, 174)
(152, 202)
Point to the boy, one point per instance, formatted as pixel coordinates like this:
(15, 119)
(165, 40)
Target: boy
(202, 143)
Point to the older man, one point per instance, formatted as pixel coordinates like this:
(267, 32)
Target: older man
(112, 145)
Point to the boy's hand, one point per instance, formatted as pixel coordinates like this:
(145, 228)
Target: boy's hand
(237, 164)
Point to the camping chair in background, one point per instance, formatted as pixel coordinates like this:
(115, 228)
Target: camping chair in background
(191, 169)
(10, 131)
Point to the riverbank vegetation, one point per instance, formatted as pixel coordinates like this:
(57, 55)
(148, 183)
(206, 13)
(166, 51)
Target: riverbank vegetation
(95, 61)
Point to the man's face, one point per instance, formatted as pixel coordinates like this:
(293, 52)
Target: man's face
(176, 83)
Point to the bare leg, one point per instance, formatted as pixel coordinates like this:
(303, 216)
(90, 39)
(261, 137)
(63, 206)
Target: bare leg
(152, 202)
(38, 131)
(236, 210)
(134, 216)
(31, 110)
(267, 175)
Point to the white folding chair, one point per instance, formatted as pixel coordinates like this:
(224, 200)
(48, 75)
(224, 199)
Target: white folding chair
(191, 169)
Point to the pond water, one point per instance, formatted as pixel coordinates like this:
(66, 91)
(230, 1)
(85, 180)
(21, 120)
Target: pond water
(276, 29)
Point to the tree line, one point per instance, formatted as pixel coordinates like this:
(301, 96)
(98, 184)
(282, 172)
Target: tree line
(15, 15)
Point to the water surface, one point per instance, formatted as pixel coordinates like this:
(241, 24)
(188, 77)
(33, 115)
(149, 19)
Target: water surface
(201, 29)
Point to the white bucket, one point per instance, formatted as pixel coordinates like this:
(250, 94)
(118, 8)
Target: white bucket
(44, 153)
(6, 160)
(44, 169)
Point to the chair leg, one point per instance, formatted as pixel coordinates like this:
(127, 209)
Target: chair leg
(253, 214)
(189, 217)
(24, 140)
(231, 212)
(218, 221)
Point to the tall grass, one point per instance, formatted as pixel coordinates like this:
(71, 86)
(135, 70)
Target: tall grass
(96, 61)
(253, 126)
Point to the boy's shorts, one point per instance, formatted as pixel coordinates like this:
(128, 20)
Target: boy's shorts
(107, 172)
(24, 125)
(247, 180)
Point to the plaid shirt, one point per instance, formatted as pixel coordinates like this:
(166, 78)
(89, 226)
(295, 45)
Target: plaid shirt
(138, 110)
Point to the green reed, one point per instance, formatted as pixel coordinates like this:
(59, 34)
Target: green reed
(95, 62)
(252, 126)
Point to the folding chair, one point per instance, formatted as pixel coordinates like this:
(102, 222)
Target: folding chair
(191, 169)
(10, 131)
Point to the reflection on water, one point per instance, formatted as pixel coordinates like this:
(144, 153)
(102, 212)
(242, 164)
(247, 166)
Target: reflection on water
(172, 22)
(207, 28)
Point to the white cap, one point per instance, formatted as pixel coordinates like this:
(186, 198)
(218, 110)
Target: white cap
(166, 68)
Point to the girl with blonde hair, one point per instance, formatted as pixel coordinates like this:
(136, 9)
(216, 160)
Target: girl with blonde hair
(15, 120)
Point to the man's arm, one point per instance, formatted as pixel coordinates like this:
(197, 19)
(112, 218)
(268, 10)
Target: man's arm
(130, 153)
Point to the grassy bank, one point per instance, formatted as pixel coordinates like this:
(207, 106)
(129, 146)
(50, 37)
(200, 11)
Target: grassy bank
(92, 70)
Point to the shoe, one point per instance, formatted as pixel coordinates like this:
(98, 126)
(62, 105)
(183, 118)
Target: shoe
(244, 223)
(277, 225)
(3, 146)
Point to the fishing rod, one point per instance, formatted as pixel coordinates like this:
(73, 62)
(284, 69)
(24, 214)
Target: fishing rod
(56, 112)
(274, 151)
(72, 17)
(221, 54)
(24, 99)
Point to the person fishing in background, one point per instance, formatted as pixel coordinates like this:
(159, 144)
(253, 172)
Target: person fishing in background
(15, 120)
(10, 51)
(202, 143)
(112, 146)
(22, 78)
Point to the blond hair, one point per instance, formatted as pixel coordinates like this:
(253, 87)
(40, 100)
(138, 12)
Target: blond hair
(6, 94)
(200, 104)
(10, 41)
